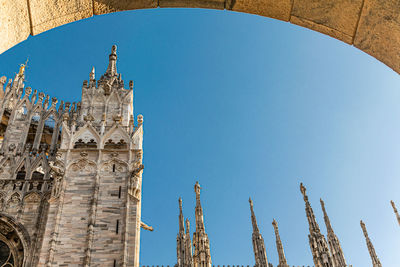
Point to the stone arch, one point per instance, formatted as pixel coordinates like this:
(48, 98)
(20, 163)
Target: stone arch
(16, 237)
(87, 136)
(22, 109)
(115, 138)
(39, 167)
(371, 26)
(21, 171)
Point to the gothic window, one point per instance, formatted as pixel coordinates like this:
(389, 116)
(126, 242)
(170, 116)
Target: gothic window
(6, 256)
(48, 129)
(11, 247)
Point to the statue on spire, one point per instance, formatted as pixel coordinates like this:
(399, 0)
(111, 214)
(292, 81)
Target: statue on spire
(22, 67)
(371, 249)
(279, 246)
(197, 191)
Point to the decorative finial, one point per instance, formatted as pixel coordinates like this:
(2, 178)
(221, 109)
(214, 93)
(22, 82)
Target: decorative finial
(274, 223)
(180, 203)
(251, 202)
(112, 62)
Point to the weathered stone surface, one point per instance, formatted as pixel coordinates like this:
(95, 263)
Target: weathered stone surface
(14, 23)
(108, 6)
(49, 14)
(322, 29)
(213, 4)
(378, 32)
(336, 18)
(371, 25)
(277, 9)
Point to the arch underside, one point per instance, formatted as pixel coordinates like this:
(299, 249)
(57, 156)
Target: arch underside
(373, 26)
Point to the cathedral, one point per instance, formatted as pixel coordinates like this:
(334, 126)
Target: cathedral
(71, 179)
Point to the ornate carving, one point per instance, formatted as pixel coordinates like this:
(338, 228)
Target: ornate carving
(114, 166)
(14, 204)
(86, 139)
(83, 166)
(32, 197)
(5, 170)
(134, 182)
(57, 171)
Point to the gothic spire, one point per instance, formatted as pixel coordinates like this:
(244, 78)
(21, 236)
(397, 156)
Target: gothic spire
(395, 211)
(318, 245)
(202, 256)
(260, 253)
(334, 244)
(181, 239)
(371, 249)
(112, 62)
(181, 219)
(279, 246)
(253, 218)
(313, 225)
(198, 209)
(188, 246)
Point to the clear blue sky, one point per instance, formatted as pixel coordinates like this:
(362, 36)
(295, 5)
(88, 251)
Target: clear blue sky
(249, 106)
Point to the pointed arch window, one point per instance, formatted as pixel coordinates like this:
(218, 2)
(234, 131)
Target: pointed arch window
(21, 174)
(38, 173)
(30, 137)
